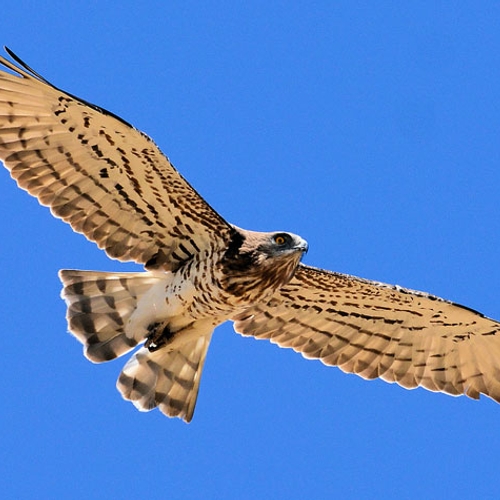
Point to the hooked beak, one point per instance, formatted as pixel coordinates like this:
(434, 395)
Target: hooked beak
(302, 245)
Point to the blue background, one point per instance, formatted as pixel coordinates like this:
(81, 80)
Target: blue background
(369, 128)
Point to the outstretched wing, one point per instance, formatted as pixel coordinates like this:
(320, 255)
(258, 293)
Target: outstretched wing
(102, 176)
(377, 330)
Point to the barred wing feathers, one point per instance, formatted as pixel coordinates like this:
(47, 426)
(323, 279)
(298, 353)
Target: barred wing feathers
(377, 330)
(102, 176)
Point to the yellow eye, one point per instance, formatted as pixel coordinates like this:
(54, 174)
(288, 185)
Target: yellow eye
(280, 239)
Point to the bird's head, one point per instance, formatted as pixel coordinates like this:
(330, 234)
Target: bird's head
(281, 245)
(263, 261)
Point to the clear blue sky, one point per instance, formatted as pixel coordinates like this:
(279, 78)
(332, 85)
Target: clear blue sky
(369, 128)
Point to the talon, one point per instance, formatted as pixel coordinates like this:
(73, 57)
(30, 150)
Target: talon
(159, 335)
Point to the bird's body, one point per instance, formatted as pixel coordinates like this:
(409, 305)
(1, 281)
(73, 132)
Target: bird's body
(174, 313)
(112, 183)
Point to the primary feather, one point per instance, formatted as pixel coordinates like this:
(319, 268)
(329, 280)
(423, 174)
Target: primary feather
(111, 182)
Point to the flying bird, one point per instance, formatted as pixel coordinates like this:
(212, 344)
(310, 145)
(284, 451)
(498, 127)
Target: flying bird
(111, 182)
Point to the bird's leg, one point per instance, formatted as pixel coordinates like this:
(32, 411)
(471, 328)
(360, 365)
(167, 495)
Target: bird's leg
(158, 335)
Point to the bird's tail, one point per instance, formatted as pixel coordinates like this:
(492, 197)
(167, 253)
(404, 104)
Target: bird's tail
(100, 315)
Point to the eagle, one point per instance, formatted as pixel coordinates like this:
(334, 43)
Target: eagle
(112, 183)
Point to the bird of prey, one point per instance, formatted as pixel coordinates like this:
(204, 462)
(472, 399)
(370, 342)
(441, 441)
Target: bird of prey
(111, 182)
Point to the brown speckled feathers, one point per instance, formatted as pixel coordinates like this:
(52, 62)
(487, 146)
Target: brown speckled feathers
(377, 330)
(111, 183)
(107, 179)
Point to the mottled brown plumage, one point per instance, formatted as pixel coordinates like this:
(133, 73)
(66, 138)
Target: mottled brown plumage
(112, 183)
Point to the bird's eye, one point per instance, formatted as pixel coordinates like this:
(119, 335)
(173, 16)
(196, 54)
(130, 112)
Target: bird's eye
(279, 239)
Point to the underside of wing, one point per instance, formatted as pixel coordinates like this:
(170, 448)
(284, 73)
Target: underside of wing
(102, 176)
(377, 330)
